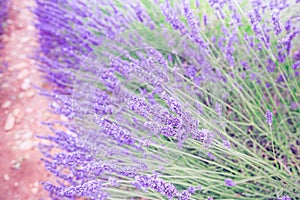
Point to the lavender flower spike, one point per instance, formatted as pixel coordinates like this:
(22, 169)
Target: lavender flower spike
(226, 144)
(276, 23)
(157, 184)
(269, 117)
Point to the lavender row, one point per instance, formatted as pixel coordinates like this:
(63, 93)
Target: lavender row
(142, 83)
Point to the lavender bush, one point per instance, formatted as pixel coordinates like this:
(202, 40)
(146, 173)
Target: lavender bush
(172, 99)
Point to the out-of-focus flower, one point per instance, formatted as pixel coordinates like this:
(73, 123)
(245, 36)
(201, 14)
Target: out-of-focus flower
(226, 143)
(284, 198)
(294, 106)
(192, 190)
(269, 117)
(211, 156)
(229, 182)
(275, 19)
(271, 66)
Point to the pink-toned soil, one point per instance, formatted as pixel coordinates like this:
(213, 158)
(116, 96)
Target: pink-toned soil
(21, 109)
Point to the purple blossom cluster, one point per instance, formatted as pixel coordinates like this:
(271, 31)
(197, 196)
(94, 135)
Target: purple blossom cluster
(91, 188)
(229, 182)
(194, 25)
(255, 20)
(173, 19)
(153, 182)
(179, 124)
(145, 182)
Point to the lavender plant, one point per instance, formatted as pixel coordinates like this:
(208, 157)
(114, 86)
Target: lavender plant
(172, 99)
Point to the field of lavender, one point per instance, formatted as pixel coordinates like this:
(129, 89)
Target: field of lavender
(169, 99)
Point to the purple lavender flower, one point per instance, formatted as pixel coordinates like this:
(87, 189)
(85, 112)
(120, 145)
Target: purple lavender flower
(113, 182)
(193, 190)
(147, 181)
(281, 55)
(91, 188)
(185, 195)
(254, 20)
(236, 18)
(218, 6)
(143, 16)
(229, 182)
(194, 24)
(205, 20)
(294, 106)
(269, 117)
(284, 198)
(296, 55)
(218, 109)
(275, 20)
(287, 41)
(115, 131)
(172, 18)
(204, 136)
(226, 143)
(271, 66)
(211, 156)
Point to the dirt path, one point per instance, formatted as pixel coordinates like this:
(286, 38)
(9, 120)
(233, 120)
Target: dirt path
(21, 110)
